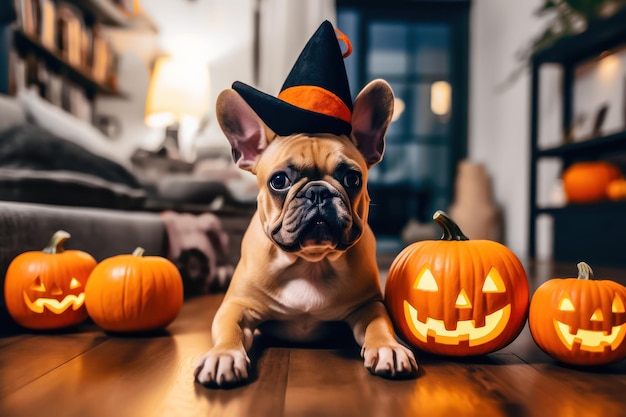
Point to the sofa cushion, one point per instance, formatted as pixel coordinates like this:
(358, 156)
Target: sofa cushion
(11, 112)
(39, 167)
(65, 125)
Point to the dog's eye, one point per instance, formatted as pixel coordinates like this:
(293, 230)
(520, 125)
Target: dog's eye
(280, 181)
(352, 179)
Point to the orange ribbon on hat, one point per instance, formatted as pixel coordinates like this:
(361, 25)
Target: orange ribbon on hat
(342, 37)
(318, 100)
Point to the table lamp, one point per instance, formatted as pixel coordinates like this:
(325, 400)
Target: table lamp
(178, 95)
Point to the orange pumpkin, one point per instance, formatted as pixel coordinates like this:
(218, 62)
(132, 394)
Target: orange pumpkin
(128, 293)
(456, 296)
(616, 189)
(45, 289)
(587, 182)
(580, 321)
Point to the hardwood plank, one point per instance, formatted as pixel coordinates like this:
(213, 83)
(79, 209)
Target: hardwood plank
(597, 390)
(28, 358)
(539, 393)
(115, 378)
(90, 373)
(151, 376)
(501, 384)
(5, 341)
(264, 396)
(329, 383)
(325, 382)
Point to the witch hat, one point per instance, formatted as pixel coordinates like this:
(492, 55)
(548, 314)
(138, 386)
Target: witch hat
(315, 97)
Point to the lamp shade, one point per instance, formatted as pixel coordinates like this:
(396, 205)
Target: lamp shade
(178, 89)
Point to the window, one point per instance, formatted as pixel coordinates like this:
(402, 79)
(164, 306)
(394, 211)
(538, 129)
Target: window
(420, 48)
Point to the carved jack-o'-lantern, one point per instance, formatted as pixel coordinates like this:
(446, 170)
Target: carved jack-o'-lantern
(45, 290)
(580, 321)
(457, 296)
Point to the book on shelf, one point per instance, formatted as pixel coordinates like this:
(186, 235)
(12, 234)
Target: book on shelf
(102, 55)
(48, 24)
(70, 35)
(27, 16)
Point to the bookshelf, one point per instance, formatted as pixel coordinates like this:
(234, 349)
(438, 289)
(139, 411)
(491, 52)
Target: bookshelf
(59, 48)
(592, 231)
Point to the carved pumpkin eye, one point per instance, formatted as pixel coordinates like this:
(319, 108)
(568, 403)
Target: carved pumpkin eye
(618, 305)
(38, 285)
(566, 304)
(494, 282)
(74, 283)
(426, 281)
(597, 315)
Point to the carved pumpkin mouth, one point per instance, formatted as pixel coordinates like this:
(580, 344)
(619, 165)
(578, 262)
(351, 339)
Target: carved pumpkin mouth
(54, 305)
(466, 330)
(590, 340)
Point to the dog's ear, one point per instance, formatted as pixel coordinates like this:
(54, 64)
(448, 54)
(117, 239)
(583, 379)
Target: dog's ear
(243, 128)
(371, 116)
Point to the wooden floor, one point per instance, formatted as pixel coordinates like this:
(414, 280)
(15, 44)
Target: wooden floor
(89, 373)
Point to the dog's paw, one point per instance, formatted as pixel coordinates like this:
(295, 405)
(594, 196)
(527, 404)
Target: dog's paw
(222, 368)
(390, 360)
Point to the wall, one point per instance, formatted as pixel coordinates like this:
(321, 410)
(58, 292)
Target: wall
(499, 115)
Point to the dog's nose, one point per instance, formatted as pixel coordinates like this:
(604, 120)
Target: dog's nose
(317, 194)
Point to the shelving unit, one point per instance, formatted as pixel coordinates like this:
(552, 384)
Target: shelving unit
(41, 53)
(24, 41)
(589, 232)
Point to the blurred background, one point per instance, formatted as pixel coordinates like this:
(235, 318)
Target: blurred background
(495, 103)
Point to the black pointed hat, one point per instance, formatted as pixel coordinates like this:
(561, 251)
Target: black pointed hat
(315, 97)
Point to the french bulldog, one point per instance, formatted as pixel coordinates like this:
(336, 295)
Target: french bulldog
(308, 256)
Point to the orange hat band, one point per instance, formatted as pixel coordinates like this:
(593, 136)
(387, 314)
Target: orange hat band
(318, 100)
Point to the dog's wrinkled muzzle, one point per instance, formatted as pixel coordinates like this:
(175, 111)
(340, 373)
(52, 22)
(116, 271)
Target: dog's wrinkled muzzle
(318, 215)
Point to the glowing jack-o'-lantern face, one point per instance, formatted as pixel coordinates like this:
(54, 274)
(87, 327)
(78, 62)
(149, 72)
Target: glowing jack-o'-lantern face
(45, 290)
(456, 296)
(467, 325)
(580, 321)
(55, 299)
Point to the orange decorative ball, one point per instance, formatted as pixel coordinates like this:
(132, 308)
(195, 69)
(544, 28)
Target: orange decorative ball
(587, 182)
(45, 289)
(128, 293)
(580, 321)
(456, 296)
(616, 189)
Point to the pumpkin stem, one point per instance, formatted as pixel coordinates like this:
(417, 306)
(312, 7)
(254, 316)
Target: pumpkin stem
(56, 243)
(584, 271)
(451, 230)
(138, 251)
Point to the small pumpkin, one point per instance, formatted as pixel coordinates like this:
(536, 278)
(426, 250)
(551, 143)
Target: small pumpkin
(616, 189)
(456, 296)
(587, 182)
(580, 321)
(45, 289)
(128, 293)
